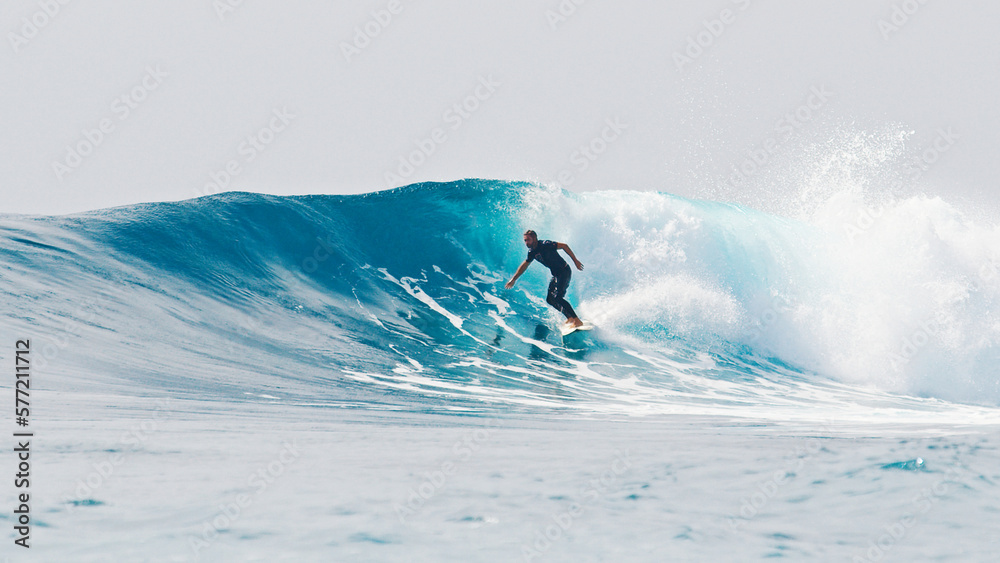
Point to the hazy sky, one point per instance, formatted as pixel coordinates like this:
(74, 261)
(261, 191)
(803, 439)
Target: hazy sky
(301, 97)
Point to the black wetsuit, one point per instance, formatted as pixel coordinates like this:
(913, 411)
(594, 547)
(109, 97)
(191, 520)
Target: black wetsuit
(547, 253)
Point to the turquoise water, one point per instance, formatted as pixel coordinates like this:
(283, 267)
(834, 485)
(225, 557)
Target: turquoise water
(395, 300)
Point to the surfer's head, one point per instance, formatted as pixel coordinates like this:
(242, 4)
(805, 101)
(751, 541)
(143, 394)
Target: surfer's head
(530, 238)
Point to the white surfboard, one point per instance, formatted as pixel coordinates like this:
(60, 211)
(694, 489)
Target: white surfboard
(566, 330)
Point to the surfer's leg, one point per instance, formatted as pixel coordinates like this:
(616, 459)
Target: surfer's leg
(557, 294)
(550, 296)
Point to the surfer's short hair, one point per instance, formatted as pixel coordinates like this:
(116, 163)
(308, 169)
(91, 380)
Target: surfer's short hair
(532, 233)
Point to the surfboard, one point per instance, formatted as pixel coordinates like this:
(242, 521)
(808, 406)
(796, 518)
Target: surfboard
(567, 330)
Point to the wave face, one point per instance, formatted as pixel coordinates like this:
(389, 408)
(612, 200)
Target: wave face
(395, 300)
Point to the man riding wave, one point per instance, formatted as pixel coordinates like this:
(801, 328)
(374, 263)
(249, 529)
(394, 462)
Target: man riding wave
(547, 252)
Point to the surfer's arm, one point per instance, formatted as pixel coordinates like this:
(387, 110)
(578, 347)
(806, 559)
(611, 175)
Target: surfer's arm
(517, 274)
(565, 248)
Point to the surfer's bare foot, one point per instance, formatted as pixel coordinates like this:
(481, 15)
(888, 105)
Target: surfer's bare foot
(575, 321)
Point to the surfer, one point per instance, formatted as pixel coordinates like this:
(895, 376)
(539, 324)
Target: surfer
(547, 252)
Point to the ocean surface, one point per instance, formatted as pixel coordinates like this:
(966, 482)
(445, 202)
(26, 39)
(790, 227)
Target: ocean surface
(344, 378)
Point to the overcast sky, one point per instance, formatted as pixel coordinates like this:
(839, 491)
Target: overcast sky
(299, 97)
